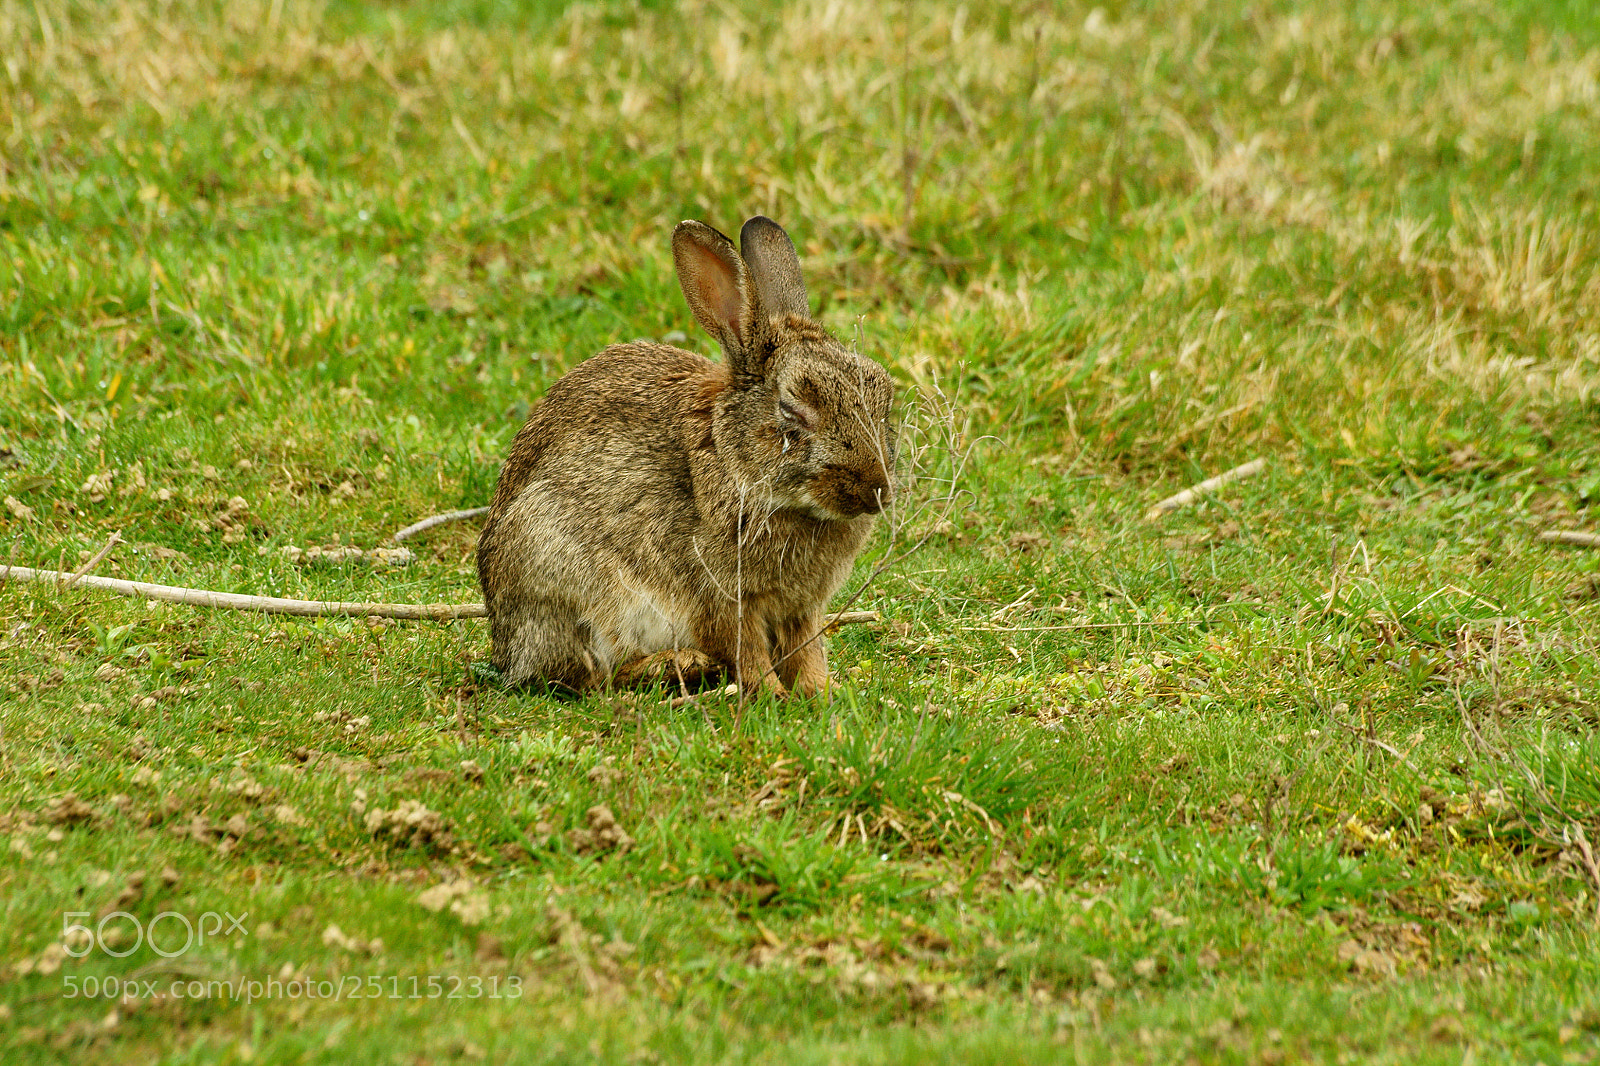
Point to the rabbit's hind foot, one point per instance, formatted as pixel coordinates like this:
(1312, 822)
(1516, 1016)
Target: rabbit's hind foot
(687, 668)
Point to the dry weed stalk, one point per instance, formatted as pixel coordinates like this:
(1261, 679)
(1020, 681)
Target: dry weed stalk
(934, 456)
(111, 542)
(438, 520)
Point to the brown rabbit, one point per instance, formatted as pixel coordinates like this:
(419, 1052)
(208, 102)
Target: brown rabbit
(656, 501)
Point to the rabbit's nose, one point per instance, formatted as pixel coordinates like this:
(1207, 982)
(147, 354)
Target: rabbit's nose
(873, 496)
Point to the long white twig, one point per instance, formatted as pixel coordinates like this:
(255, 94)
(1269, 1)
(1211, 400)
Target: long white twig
(264, 604)
(233, 601)
(1571, 537)
(1190, 495)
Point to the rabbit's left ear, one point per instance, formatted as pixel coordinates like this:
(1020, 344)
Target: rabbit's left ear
(715, 284)
(774, 268)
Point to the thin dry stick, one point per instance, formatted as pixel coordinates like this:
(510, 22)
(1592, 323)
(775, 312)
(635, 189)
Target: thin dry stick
(1285, 789)
(438, 520)
(1484, 747)
(233, 601)
(5, 752)
(264, 604)
(738, 611)
(677, 668)
(111, 542)
(1333, 585)
(1369, 736)
(1571, 537)
(469, 139)
(683, 701)
(1590, 867)
(891, 559)
(908, 158)
(1210, 484)
(1572, 832)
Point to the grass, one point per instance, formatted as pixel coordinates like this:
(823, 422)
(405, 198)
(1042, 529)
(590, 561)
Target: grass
(1305, 772)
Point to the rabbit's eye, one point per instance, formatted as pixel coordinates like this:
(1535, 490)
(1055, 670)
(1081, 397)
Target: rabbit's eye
(795, 417)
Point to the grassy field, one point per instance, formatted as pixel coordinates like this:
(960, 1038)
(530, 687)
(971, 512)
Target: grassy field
(1308, 771)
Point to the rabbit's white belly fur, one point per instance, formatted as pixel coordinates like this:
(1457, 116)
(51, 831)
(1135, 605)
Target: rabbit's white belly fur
(643, 625)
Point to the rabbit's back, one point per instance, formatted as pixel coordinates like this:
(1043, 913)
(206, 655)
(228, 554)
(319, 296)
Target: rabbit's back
(630, 412)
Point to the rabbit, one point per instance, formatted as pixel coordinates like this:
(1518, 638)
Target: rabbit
(658, 502)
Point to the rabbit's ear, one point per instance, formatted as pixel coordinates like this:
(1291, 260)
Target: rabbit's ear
(715, 284)
(774, 268)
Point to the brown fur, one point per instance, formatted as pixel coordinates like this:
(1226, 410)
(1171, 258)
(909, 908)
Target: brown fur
(656, 499)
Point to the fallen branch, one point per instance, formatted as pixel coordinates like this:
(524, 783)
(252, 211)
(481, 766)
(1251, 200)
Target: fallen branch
(234, 601)
(1571, 537)
(438, 520)
(1191, 495)
(265, 604)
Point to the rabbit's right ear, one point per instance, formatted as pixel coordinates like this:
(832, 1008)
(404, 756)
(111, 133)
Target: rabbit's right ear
(715, 284)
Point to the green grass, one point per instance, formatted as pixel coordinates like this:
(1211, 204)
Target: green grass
(1304, 772)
